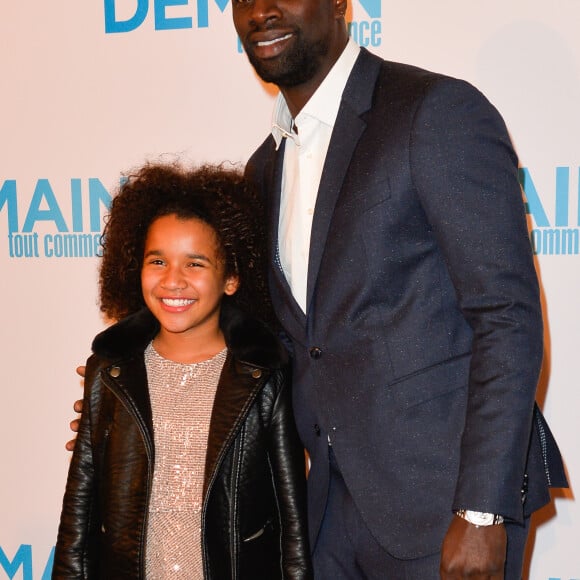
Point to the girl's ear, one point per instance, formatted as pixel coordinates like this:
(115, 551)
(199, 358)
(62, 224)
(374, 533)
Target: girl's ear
(231, 286)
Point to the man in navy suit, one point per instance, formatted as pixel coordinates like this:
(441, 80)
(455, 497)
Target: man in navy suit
(403, 275)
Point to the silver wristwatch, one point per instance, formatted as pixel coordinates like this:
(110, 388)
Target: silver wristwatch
(480, 518)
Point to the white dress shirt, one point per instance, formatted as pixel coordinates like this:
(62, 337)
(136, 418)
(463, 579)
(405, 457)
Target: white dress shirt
(308, 137)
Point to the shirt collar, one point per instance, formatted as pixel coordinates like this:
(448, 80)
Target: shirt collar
(323, 105)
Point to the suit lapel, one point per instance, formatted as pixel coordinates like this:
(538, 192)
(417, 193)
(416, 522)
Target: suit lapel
(288, 309)
(348, 129)
(273, 183)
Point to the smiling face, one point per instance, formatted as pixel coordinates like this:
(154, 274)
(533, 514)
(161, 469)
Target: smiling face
(183, 279)
(291, 42)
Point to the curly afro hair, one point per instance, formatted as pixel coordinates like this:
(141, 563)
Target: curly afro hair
(218, 196)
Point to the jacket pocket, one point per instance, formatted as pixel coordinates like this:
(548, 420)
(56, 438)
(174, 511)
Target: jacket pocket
(432, 382)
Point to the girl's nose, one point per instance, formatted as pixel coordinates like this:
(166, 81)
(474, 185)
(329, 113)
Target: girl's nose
(173, 279)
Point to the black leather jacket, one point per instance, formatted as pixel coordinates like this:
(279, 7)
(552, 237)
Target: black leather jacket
(253, 520)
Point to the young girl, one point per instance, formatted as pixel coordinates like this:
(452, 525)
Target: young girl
(187, 462)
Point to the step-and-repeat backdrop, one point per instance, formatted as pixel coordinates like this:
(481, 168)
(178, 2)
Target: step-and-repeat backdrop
(89, 90)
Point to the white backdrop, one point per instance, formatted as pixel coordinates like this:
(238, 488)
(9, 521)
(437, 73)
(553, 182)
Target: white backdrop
(80, 104)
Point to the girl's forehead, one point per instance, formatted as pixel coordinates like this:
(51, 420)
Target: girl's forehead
(170, 229)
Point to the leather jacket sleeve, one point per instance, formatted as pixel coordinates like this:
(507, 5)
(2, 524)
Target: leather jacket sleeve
(288, 466)
(73, 558)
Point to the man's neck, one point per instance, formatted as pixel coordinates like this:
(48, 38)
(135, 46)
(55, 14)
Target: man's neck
(296, 97)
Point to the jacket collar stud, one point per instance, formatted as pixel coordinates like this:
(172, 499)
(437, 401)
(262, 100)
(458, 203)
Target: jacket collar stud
(115, 372)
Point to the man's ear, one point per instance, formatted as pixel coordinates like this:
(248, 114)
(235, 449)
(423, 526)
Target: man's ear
(340, 7)
(232, 284)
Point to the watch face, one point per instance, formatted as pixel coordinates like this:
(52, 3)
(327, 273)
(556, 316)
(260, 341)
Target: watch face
(479, 519)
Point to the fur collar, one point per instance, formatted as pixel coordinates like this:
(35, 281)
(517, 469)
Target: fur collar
(248, 339)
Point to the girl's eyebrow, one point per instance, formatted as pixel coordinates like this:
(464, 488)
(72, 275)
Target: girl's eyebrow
(189, 256)
(152, 253)
(198, 257)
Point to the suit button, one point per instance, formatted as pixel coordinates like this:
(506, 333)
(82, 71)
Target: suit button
(317, 430)
(315, 352)
(115, 372)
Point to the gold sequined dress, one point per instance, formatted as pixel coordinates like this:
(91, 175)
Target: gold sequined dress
(182, 397)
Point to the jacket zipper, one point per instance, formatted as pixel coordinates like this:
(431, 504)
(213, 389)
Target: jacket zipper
(234, 549)
(213, 477)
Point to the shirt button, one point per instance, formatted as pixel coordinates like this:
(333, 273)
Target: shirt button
(256, 373)
(115, 372)
(315, 352)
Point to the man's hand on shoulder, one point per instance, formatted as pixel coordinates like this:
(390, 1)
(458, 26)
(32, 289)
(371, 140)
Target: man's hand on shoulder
(475, 552)
(78, 407)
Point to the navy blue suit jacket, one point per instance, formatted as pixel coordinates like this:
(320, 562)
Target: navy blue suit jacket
(420, 350)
